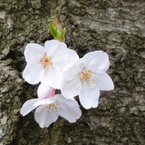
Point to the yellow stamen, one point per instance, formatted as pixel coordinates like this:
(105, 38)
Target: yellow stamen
(53, 107)
(45, 61)
(86, 75)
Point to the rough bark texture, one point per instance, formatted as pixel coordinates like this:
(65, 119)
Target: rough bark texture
(116, 27)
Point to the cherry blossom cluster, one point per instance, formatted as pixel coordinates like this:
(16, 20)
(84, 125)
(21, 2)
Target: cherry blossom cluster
(55, 66)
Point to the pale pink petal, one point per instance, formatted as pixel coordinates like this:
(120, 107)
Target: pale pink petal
(44, 91)
(54, 48)
(53, 77)
(47, 101)
(104, 82)
(33, 73)
(74, 70)
(71, 88)
(65, 59)
(89, 97)
(44, 117)
(69, 109)
(61, 98)
(97, 61)
(28, 106)
(33, 53)
(70, 75)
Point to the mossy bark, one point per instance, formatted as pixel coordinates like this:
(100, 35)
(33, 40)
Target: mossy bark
(116, 27)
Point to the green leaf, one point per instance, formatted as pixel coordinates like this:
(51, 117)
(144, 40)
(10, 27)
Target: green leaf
(63, 32)
(53, 31)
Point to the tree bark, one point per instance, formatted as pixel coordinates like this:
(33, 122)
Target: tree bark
(116, 27)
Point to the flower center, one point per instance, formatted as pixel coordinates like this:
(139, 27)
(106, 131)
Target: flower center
(45, 61)
(53, 107)
(86, 75)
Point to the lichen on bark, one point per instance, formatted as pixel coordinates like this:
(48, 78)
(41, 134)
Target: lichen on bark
(116, 27)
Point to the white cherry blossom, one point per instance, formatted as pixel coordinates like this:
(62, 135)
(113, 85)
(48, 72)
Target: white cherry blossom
(49, 106)
(47, 63)
(87, 77)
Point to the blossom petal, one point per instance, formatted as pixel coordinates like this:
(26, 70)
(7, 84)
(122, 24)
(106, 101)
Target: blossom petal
(44, 91)
(61, 98)
(97, 61)
(74, 70)
(104, 82)
(65, 59)
(33, 53)
(47, 101)
(89, 97)
(54, 48)
(71, 88)
(69, 109)
(28, 106)
(53, 77)
(44, 117)
(33, 73)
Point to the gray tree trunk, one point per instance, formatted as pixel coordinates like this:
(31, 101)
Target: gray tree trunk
(116, 27)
